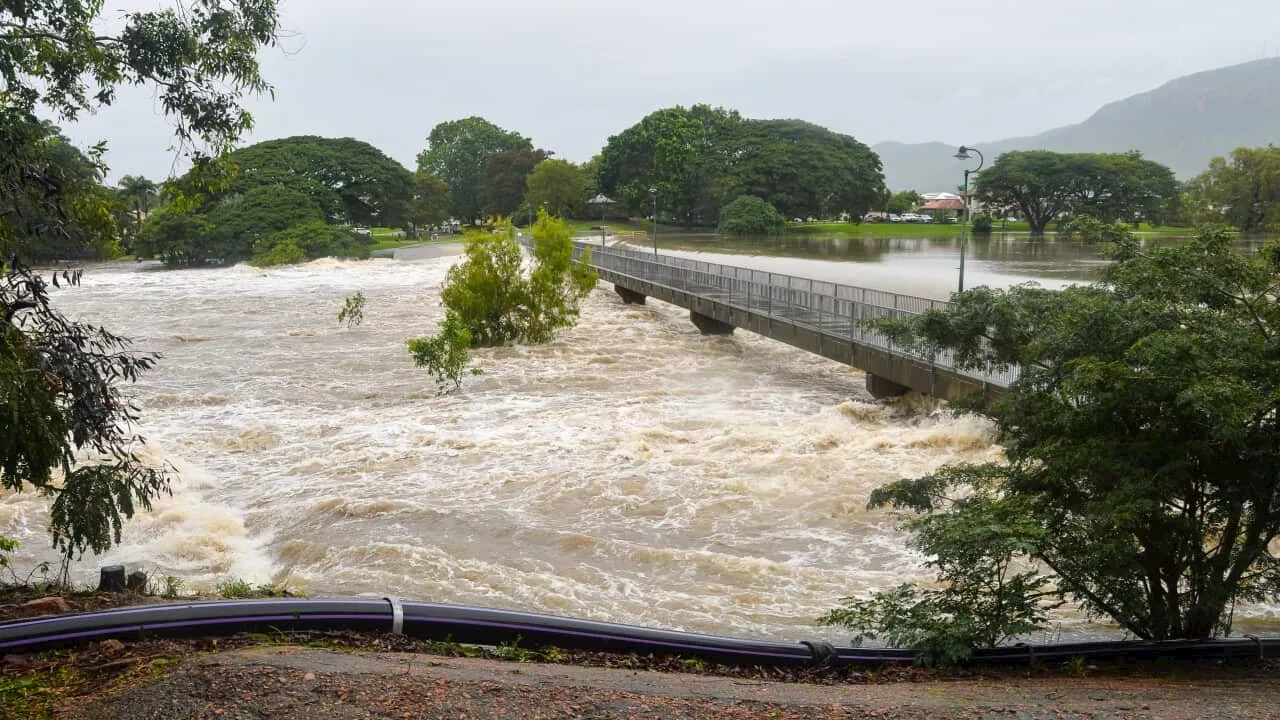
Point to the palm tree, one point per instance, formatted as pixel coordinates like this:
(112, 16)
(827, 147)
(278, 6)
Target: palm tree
(140, 195)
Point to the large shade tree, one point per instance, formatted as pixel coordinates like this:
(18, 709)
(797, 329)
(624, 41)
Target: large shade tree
(430, 204)
(351, 180)
(805, 170)
(505, 176)
(1243, 189)
(680, 157)
(276, 185)
(456, 152)
(1043, 185)
(64, 423)
(559, 186)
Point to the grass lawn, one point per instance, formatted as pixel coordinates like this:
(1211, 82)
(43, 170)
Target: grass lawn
(893, 230)
(583, 227)
(390, 239)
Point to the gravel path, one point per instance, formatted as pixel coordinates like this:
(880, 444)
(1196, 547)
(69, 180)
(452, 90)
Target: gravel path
(295, 682)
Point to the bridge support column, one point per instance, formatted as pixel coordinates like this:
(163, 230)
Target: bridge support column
(709, 325)
(884, 388)
(629, 297)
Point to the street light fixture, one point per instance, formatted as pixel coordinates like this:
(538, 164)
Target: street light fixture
(601, 200)
(654, 192)
(963, 154)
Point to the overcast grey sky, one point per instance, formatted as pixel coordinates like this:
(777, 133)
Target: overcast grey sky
(570, 73)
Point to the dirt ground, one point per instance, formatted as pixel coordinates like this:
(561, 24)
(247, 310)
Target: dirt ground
(292, 682)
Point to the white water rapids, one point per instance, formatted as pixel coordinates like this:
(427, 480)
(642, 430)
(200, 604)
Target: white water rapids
(632, 470)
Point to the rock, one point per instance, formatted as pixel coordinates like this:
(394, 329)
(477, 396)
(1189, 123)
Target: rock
(52, 604)
(15, 660)
(136, 582)
(111, 579)
(112, 646)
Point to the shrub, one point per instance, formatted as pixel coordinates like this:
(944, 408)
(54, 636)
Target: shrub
(491, 301)
(308, 241)
(352, 312)
(981, 225)
(285, 252)
(982, 601)
(750, 215)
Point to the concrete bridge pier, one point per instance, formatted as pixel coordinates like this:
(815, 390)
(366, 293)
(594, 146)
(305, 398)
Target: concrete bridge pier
(629, 297)
(884, 388)
(709, 325)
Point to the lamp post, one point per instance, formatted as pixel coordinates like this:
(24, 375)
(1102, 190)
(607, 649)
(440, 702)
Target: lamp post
(963, 154)
(601, 200)
(654, 192)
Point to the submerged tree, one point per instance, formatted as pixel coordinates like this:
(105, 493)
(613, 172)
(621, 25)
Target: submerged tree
(491, 299)
(1142, 439)
(750, 215)
(352, 312)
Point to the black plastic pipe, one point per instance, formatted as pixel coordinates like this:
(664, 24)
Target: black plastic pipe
(486, 626)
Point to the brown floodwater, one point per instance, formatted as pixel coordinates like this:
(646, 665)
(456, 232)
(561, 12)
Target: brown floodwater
(632, 470)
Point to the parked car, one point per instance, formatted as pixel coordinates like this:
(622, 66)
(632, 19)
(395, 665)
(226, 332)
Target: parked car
(361, 230)
(895, 218)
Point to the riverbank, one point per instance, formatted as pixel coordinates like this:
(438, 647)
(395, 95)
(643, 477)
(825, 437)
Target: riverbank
(352, 675)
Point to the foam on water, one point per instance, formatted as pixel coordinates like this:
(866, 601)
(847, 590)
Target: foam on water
(631, 470)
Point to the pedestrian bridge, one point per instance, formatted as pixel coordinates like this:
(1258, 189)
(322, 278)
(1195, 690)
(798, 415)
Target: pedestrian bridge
(822, 317)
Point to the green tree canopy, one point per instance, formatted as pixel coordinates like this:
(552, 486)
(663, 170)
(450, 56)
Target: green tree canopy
(456, 151)
(276, 185)
(901, 202)
(1141, 438)
(430, 204)
(682, 153)
(308, 241)
(750, 215)
(559, 186)
(139, 196)
(1043, 185)
(805, 170)
(52, 205)
(1243, 190)
(226, 233)
(350, 180)
(697, 159)
(505, 177)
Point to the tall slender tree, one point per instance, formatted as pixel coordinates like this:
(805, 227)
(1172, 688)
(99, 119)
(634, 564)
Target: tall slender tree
(140, 197)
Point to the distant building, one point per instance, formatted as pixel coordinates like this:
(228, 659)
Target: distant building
(939, 204)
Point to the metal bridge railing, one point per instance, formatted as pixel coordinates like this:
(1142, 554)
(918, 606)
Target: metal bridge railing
(833, 309)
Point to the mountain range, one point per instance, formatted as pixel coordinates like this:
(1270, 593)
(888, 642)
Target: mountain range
(1183, 124)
